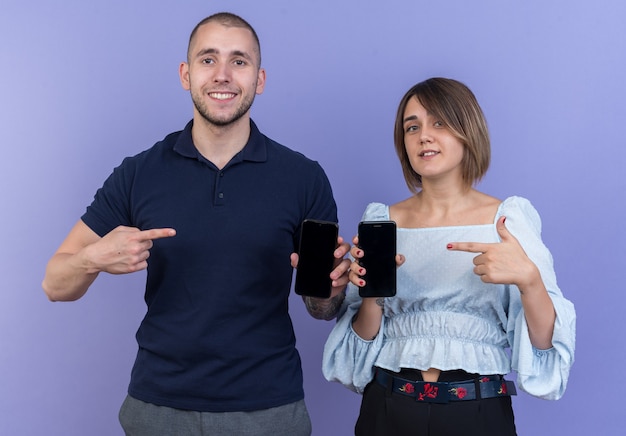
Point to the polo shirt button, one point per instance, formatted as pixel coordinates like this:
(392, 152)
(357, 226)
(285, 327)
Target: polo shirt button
(220, 195)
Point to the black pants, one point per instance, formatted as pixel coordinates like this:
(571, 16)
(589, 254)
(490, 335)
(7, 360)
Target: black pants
(384, 413)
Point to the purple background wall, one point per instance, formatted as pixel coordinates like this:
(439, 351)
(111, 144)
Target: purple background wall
(85, 84)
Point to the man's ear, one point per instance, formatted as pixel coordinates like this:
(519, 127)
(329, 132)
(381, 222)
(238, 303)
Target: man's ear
(183, 73)
(260, 84)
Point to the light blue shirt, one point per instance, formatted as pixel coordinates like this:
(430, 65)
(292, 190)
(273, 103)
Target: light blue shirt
(443, 316)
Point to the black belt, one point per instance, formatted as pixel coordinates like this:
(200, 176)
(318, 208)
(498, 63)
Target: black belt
(487, 386)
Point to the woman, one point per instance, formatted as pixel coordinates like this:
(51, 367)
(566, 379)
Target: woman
(477, 293)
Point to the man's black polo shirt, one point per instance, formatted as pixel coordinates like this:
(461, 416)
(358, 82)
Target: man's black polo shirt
(217, 334)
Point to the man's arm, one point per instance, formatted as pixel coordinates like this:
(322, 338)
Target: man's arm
(326, 309)
(83, 255)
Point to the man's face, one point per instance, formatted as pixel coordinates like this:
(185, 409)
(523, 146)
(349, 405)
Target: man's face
(222, 73)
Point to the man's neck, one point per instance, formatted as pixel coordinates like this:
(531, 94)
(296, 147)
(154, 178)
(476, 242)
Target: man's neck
(219, 144)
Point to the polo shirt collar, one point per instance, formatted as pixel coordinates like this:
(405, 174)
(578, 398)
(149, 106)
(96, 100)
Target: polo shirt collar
(255, 149)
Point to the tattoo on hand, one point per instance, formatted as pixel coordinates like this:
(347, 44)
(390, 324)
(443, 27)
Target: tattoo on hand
(325, 309)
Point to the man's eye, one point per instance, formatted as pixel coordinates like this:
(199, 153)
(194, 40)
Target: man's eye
(207, 61)
(240, 62)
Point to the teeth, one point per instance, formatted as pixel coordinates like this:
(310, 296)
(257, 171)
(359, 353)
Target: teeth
(429, 153)
(221, 95)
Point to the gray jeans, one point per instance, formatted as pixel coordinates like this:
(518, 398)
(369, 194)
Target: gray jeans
(145, 419)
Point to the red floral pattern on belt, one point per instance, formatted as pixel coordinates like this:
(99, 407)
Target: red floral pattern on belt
(407, 388)
(430, 391)
(458, 392)
(502, 390)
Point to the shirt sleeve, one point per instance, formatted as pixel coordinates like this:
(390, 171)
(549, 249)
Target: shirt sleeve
(323, 204)
(541, 373)
(348, 358)
(111, 204)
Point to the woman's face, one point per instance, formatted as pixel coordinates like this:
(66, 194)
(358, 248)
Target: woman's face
(434, 152)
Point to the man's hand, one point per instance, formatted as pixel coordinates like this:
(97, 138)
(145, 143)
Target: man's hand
(124, 249)
(321, 308)
(83, 255)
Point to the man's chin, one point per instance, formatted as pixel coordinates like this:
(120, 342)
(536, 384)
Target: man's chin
(224, 120)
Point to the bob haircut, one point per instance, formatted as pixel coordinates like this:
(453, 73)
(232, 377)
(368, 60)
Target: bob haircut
(455, 105)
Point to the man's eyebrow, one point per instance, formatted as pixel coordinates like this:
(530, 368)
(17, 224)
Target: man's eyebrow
(213, 51)
(206, 51)
(243, 54)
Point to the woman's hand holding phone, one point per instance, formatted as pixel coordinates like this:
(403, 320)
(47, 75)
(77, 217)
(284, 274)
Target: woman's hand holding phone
(375, 252)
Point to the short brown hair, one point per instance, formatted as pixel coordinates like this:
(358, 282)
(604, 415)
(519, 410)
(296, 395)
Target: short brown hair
(229, 20)
(455, 105)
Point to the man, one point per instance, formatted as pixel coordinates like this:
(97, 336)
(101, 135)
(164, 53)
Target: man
(214, 213)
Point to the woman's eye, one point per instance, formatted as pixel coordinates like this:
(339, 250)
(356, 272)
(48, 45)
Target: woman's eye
(411, 128)
(438, 124)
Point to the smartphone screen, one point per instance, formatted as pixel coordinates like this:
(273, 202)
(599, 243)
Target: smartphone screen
(318, 241)
(377, 239)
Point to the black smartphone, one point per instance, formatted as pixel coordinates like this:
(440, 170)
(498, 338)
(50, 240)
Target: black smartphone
(377, 239)
(318, 241)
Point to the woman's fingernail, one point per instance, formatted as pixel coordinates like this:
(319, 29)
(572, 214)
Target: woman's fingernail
(449, 246)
